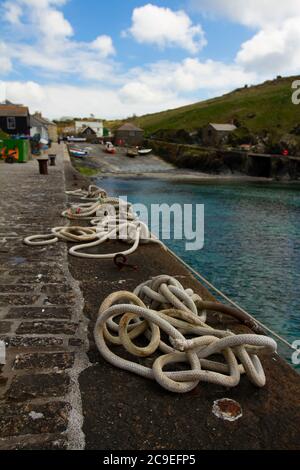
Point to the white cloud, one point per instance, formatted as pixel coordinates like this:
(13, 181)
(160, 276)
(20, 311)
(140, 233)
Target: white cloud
(104, 45)
(142, 90)
(60, 100)
(5, 61)
(254, 13)
(189, 77)
(52, 23)
(52, 48)
(12, 13)
(164, 27)
(273, 50)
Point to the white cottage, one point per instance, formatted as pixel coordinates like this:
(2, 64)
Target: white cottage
(95, 127)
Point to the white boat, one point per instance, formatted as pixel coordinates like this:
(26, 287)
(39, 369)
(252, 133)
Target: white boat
(78, 153)
(145, 151)
(76, 139)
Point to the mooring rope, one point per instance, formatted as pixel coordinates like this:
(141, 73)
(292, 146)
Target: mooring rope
(230, 301)
(129, 230)
(173, 321)
(111, 228)
(88, 211)
(92, 193)
(66, 234)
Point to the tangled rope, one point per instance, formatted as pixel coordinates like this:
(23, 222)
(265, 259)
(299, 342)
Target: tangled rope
(173, 321)
(132, 232)
(66, 234)
(124, 228)
(93, 193)
(103, 206)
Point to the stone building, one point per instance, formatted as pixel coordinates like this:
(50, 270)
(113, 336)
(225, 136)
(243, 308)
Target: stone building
(94, 128)
(44, 127)
(14, 119)
(217, 134)
(129, 134)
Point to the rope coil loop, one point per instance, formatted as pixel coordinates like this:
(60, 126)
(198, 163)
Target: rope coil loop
(131, 232)
(67, 234)
(161, 312)
(92, 194)
(89, 211)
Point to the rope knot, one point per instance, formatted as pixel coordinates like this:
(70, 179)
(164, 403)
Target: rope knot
(181, 345)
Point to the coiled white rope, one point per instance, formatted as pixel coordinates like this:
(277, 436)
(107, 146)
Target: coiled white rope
(124, 228)
(88, 211)
(161, 308)
(67, 234)
(113, 228)
(92, 194)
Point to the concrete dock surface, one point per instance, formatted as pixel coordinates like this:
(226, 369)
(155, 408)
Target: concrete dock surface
(57, 392)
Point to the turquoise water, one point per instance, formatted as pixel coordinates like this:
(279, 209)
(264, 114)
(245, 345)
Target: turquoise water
(252, 242)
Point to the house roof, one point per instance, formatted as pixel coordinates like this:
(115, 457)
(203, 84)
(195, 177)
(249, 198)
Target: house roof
(41, 121)
(13, 110)
(223, 127)
(96, 123)
(129, 127)
(86, 128)
(35, 122)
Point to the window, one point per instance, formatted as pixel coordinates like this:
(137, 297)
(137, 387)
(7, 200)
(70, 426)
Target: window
(11, 123)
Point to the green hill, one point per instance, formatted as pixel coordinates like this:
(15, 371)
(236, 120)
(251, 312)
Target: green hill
(263, 108)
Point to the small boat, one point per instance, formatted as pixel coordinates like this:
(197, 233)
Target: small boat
(145, 151)
(110, 148)
(132, 153)
(78, 153)
(76, 139)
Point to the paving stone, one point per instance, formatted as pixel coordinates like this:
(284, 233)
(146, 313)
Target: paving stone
(32, 278)
(3, 380)
(63, 299)
(20, 419)
(15, 288)
(44, 361)
(47, 327)
(32, 342)
(36, 311)
(5, 327)
(75, 342)
(14, 299)
(54, 289)
(62, 313)
(28, 387)
(53, 442)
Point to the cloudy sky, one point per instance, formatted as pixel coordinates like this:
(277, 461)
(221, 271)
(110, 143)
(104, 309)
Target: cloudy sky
(115, 58)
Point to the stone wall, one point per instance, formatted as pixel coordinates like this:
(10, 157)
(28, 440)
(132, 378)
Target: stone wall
(223, 162)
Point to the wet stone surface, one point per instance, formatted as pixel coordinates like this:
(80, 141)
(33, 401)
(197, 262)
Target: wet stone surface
(44, 361)
(39, 385)
(39, 313)
(5, 327)
(28, 313)
(33, 419)
(47, 327)
(22, 343)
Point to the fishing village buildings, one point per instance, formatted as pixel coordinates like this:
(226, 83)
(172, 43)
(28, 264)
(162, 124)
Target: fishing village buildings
(14, 119)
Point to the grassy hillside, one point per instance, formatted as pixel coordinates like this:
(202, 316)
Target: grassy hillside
(264, 107)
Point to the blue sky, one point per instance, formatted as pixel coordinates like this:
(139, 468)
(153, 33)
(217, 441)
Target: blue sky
(116, 58)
